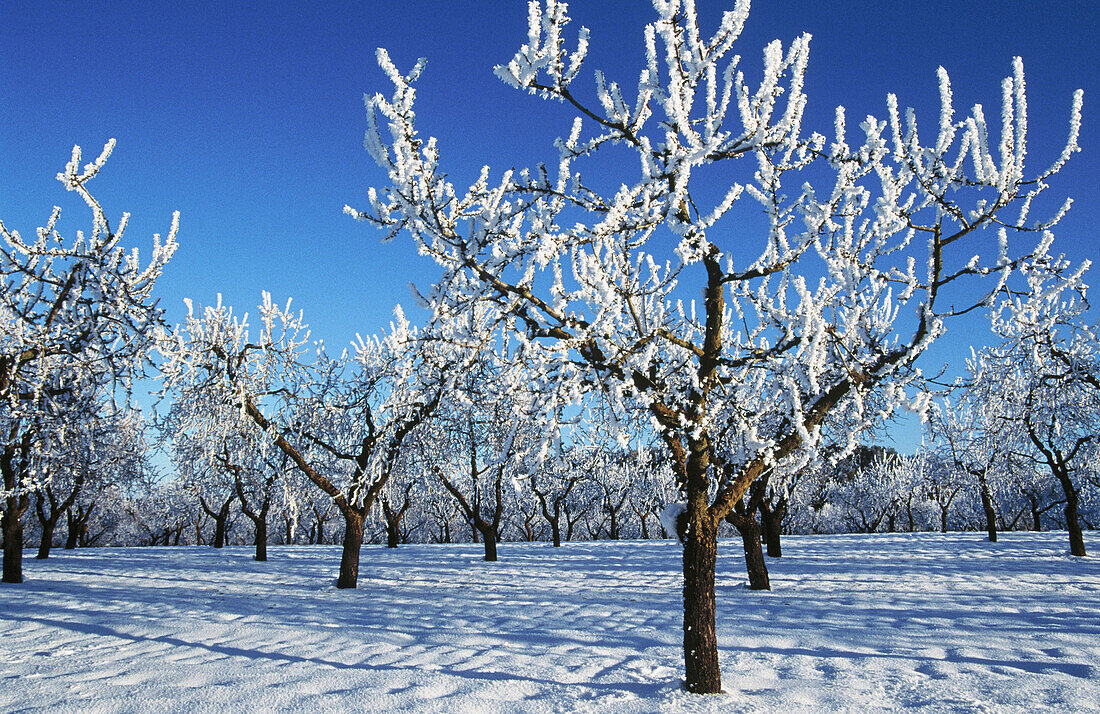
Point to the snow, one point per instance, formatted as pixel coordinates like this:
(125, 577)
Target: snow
(881, 622)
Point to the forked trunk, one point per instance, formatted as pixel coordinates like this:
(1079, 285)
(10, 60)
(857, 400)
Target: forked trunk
(754, 555)
(46, 543)
(773, 528)
(221, 519)
(489, 535)
(353, 542)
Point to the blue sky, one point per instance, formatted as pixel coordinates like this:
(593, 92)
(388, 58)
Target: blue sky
(248, 118)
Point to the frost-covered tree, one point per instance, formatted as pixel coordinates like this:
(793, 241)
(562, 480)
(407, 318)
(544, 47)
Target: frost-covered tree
(258, 483)
(943, 485)
(804, 315)
(1042, 381)
(653, 488)
(477, 440)
(209, 482)
(401, 495)
(972, 437)
(870, 499)
(105, 449)
(340, 420)
(163, 514)
(77, 316)
(225, 460)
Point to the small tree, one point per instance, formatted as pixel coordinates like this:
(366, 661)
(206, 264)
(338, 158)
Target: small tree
(106, 449)
(77, 317)
(971, 437)
(340, 420)
(255, 486)
(478, 435)
(1042, 382)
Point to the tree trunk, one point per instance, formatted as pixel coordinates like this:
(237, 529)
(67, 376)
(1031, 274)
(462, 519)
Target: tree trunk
(1036, 518)
(773, 528)
(489, 535)
(754, 555)
(1073, 525)
(703, 675)
(71, 538)
(11, 525)
(46, 543)
(393, 535)
(261, 539)
(11, 522)
(943, 521)
(221, 519)
(555, 529)
(353, 541)
(987, 506)
(219, 530)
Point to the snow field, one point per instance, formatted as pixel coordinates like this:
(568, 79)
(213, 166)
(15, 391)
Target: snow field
(854, 623)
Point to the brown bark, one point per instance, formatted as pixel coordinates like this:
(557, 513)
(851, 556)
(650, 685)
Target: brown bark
(772, 522)
(221, 518)
(258, 517)
(46, 542)
(1073, 524)
(353, 541)
(11, 521)
(78, 524)
(1059, 462)
(11, 525)
(750, 531)
(489, 536)
(57, 507)
(393, 535)
(261, 540)
(987, 507)
(489, 529)
(703, 675)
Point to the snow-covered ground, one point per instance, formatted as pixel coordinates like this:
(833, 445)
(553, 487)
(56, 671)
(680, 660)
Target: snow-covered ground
(939, 622)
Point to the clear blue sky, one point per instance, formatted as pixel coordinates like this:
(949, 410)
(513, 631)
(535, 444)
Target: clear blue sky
(248, 117)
